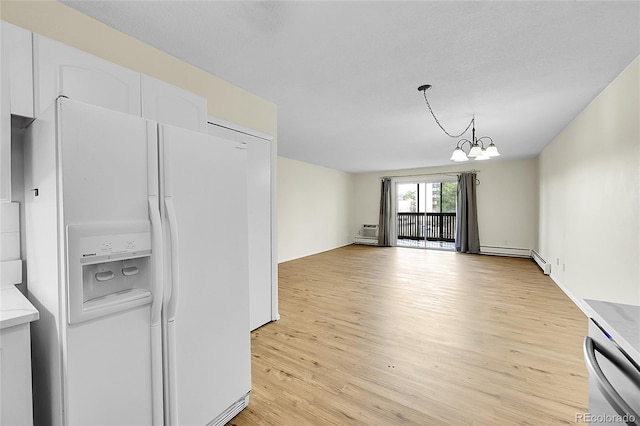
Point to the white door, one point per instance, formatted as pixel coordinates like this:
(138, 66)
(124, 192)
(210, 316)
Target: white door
(17, 50)
(262, 294)
(206, 313)
(107, 361)
(5, 121)
(259, 191)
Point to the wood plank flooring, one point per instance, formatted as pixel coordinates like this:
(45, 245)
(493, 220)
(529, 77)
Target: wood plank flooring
(386, 336)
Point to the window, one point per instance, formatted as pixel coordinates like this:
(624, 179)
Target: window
(425, 212)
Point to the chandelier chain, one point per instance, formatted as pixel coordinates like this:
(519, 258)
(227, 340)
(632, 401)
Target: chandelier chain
(424, 92)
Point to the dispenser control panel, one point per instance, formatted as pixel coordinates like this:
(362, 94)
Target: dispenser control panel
(109, 269)
(99, 247)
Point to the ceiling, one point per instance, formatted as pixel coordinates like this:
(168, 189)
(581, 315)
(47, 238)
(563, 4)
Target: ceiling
(344, 74)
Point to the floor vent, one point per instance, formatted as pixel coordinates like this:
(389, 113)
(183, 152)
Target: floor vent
(543, 264)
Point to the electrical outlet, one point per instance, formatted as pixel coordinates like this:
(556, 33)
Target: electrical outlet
(563, 267)
(557, 261)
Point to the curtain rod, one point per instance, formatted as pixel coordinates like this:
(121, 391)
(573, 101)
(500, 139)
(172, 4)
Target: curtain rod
(434, 174)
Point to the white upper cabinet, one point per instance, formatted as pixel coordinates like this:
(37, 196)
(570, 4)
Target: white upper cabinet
(63, 70)
(168, 104)
(17, 50)
(5, 123)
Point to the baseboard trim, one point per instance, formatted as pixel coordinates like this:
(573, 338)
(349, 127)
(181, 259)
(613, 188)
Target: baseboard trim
(576, 300)
(315, 252)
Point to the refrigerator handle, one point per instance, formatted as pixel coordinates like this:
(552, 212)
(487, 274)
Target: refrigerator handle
(613, 397)
(173, 235)
(156, 311)
(156, 238)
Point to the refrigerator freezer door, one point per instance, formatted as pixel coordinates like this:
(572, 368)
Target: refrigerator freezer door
(104, 164)
(104, 168)
(203, 183)
(108, 370)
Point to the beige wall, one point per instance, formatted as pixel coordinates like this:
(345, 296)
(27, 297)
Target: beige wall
(59, 22)
(507, 199)
(315, 207)
(589, 192)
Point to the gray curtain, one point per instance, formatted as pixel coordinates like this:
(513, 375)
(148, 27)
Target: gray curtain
(385, 223)
(467, 238)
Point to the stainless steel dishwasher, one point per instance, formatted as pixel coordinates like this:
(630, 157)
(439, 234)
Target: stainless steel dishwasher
(614, 380)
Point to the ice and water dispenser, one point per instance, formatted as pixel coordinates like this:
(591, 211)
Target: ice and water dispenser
(109, 269)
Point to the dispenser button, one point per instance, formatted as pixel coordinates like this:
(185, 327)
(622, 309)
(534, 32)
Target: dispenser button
(104, 276)
(132, 270)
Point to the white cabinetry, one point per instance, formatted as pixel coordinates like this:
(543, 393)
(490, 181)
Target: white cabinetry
(263, 280)
(168, 104)
(5, 121)
(16, 92)
(17, 49)
(16, 313)
(15, 380)
(63, 70)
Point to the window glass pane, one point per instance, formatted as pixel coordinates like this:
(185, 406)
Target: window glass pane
(449, 196)
(407, 197)
(434, 197)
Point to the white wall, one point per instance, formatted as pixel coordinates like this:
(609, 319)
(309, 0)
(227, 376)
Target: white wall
(589, 191)
(507, 199)
(315, 207)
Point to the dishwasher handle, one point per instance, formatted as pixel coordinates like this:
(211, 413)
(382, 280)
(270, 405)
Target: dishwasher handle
(612, 396)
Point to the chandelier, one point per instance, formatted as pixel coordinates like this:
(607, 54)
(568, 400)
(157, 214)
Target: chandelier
(475, 148)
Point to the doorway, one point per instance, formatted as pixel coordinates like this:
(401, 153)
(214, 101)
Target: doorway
(426, 214)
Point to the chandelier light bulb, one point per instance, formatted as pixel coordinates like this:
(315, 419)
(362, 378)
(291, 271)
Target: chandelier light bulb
(492, 151)
(459, 155)
(475, 151)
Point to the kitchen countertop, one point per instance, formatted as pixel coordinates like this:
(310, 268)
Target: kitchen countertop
(621, 321)
(15, 309)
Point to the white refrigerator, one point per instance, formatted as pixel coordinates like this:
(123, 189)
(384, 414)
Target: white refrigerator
(136, 236)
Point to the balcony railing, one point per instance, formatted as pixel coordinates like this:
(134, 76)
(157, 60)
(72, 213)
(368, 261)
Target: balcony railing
(429, 226)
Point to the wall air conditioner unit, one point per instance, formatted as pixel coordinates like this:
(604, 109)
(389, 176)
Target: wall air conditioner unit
(543, 264)
(370, 231)
(368, 235)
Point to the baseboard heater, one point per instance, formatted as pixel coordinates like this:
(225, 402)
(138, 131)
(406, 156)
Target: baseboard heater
(505, 251)
(543, 264)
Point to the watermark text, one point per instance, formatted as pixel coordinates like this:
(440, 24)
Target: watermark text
(605, 418)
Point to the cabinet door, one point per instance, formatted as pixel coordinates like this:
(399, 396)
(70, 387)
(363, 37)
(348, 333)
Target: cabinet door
(63, 70)
(168, 104)
(17, 49)
(15, 380)
(5, 123)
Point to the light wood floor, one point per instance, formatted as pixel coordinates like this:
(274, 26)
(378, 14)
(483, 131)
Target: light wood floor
(385, 336)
